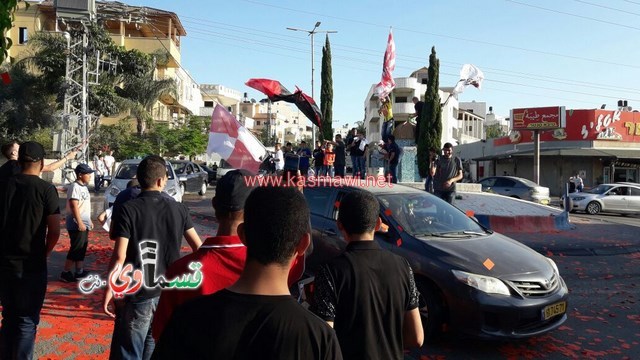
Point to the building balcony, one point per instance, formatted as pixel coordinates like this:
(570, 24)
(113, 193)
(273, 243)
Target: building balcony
(403, 108)
(406, 83)
(150, 45)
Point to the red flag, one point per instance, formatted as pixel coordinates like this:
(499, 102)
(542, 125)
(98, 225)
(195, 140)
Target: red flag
(233, 142)
(276, 92)
(6, 78)
(386, 84)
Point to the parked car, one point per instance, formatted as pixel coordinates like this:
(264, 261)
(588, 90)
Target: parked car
(475, 280)
(621, 198)
(516, 187)
(191, 176)
(127, 170)
(211, 173)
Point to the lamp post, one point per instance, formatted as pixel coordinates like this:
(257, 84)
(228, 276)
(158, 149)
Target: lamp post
(311, 33)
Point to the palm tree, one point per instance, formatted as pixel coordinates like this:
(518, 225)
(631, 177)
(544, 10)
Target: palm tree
(139, 94)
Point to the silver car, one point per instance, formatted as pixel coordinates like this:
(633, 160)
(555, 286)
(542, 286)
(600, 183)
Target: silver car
(621, 198)
(516, 187)
(127, 170)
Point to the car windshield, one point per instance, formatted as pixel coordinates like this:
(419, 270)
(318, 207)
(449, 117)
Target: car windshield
(600, 189)
(427, 215)
(128, 171)
(179, 167)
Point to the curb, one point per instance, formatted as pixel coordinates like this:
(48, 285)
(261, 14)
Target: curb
(525, 223)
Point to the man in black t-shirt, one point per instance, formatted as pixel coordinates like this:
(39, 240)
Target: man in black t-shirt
(29, 229)
(148, 233)
(393, 152)
(446, 171)
(368, 294)
(256, 318)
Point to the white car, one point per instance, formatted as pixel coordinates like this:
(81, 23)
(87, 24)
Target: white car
(621, 198)
(127, 170)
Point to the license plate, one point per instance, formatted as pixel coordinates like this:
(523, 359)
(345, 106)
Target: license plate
(553, 310)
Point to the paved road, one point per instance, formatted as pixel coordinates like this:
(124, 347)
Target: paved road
(599, 260)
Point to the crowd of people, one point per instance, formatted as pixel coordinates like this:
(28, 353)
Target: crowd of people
(243, 307)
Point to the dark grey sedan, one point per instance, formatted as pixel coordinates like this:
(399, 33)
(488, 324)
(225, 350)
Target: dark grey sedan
(474, 280)
(192, 177)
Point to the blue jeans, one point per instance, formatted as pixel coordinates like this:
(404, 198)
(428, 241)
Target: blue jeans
(393, 171)
(428, 184)
(362, 166)
(387, 129)
(131, 337)
(354, 165)
(22, 296)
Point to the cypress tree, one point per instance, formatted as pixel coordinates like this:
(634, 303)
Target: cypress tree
(326, 93)
(431, 119)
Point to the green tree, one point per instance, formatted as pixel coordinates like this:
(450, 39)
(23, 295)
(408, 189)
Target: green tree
(326, 93)
(25, 106)
(267, 140)
(193, 139)
(431, 119)
(494, 131)
(139, 94)
(7, 9)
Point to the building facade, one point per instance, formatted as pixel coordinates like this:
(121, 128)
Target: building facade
(146, 29)
(601, 145)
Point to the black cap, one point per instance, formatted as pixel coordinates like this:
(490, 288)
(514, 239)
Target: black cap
(30, 151)
(232, 190)
(83, 169)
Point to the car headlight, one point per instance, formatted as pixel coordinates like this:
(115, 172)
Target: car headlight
(487, 284)
(578, 198)
(114, 191)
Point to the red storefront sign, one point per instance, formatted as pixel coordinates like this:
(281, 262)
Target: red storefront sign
(585, 125)
(546, 118)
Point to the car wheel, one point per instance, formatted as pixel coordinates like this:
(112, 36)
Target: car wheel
(182, 188)
(203, 189)
(431, 310)
(593, 208)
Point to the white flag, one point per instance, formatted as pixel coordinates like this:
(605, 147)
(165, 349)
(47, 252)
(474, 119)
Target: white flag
(469, 75)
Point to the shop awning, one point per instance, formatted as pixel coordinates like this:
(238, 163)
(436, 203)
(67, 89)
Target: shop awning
(613, 154)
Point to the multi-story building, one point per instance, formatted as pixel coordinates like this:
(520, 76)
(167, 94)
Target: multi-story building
(403, 107)
(279, 118)
(146, 29)
(213, 94)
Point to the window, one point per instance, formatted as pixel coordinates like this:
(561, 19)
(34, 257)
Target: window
(401, 99)
(424, 81)
(257, 122)
(208, 104)
(23, 35)
(470, 127)
(634, 192)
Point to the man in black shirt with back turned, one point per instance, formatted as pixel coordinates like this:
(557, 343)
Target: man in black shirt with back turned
(256, 318)
(148, 233)
(29, 229)
(368, 294)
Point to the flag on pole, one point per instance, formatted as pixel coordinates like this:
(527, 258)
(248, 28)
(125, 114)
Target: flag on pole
(233, 142)
(386, 84)
(469, 75)
(275, 91)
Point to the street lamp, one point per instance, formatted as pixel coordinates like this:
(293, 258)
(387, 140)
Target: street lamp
(311, 33)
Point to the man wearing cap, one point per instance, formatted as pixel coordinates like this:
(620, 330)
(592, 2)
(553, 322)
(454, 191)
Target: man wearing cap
(222, 257)
(11, 167)
(78, 224)
(446, 171)
(29, 229)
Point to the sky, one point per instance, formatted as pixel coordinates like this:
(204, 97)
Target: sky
(572, 53)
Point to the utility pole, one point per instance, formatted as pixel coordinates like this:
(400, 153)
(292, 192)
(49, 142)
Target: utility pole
(311, 33)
